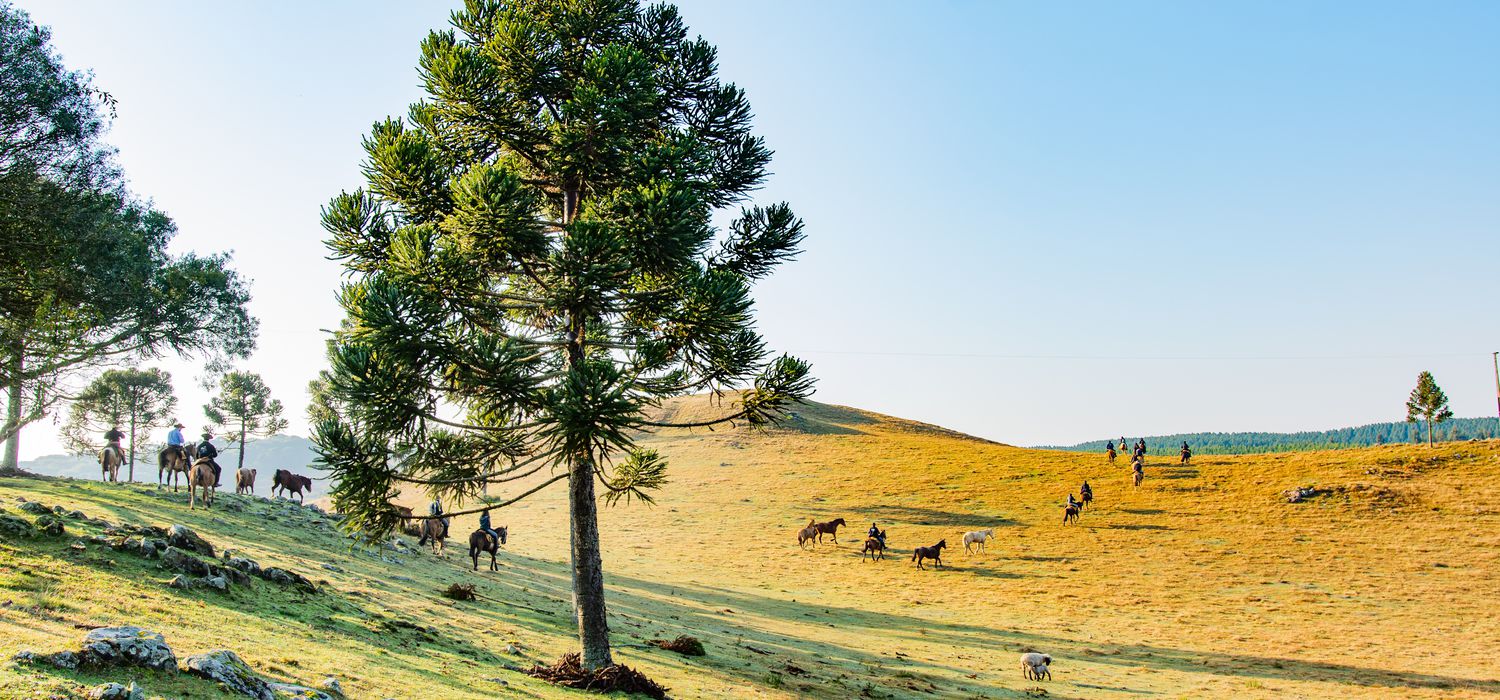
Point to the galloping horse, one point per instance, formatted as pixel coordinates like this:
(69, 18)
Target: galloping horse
(109, 463)
(174, 461)
(202, 474)
(480, 541)
(830, 528)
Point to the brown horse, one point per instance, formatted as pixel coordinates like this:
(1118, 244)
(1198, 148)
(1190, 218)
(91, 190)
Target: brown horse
(808, 534)
(935, 553)
(291, 483)
(202, 474)
(1139, 475)
(1070, 513)
(432, 531)
(1111, 453)
(408, 525)
(172, 462)
(244, 480)
(830, 528)
(480, 541)
(874, 548)
(109, 463)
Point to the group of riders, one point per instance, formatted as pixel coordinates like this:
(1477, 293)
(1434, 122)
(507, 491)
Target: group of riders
(1138, 452)
(176, 444)
(485, 525)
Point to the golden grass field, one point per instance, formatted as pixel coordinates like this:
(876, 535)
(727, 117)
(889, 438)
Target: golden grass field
(1205, 583)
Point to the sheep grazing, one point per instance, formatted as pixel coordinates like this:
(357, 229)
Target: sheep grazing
(1034, 666)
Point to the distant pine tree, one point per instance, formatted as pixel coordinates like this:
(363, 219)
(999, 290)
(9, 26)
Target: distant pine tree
(1427, 402)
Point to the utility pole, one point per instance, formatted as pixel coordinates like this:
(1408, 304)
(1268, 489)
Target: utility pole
(1496, 357)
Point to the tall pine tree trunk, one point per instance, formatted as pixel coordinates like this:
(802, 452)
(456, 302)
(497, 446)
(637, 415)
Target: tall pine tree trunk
(242, 445)
(1429, 432)
(588, 567)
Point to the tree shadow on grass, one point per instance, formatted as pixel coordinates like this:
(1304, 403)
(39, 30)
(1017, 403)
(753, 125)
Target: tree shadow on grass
(933, 517)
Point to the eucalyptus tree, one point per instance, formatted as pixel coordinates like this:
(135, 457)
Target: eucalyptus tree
(139, 401)
(534, 266)
(85, 279)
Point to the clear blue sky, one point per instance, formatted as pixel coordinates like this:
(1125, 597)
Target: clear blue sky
(1019, 213)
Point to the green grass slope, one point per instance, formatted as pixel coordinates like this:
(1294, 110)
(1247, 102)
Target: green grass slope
(1203, 583)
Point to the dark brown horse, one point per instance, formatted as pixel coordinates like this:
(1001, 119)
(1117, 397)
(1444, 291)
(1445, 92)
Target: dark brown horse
(935, 553)
(874, 547)
(291, 483)
(409, 524)
(830, 528)
(480, 541)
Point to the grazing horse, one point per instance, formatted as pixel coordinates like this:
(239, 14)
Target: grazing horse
(935, 553)
(480, 541)
(244, 480)
(807, 534)
(291, 483)
(978, 537)
(830, 528)
(109, 463)
(433, 530)
(1070, 513)
(202, 474)
(172, 462)
(874, 547)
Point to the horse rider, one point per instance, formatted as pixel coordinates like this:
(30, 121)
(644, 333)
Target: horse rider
(175, 441)
(1186, 453)
(484, 526)
(207, 451)
(1109, 448)
(877, 534)
(1086, 490)
(436, 511)
(112, 439)
(1072, 502)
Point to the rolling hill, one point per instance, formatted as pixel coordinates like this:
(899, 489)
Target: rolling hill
(266, 455)
(1205, 582)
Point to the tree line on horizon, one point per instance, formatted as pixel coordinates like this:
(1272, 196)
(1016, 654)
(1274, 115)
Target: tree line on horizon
(1392, 433)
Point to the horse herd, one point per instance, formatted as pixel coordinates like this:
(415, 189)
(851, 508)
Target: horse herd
(175, 464)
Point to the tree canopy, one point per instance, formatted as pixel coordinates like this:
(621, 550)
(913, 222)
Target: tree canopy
(85, 277)
(244, 405)
(134, 400)
(534, 266)
(1427, 403)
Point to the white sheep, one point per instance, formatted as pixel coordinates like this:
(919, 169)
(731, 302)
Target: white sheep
(1034, 666)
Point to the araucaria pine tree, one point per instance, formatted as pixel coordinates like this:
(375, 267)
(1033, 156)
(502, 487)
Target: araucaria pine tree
(535, 267)
(244, 406)
(1427, 403)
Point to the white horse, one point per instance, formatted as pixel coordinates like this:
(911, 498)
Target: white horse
(978, 537)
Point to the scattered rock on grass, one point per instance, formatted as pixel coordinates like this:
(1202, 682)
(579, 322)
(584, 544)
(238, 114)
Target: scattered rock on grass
(13, 528)
(115, 691)
(34, 508)
(50, 525)
(181, 537)
(226, 667)
(332, 685)
(179, 560)
(298, 692)
(127, 646)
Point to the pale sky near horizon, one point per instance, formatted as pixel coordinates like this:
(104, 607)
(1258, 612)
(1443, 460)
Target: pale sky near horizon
(1039, 223)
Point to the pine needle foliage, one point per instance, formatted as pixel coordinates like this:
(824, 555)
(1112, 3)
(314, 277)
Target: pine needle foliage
(1427, 403)
(533, 266)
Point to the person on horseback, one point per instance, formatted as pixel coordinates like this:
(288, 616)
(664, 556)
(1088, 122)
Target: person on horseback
(207, 451)
(436, 511)
(877, 534)
(176, 442)
(484, 526)
(1086, 490)
(112, 440)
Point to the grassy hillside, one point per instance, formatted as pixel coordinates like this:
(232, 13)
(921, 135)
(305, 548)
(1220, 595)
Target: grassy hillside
(1204, 583)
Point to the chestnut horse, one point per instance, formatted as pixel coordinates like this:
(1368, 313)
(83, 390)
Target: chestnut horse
(830, 528)
(432, 530)
(202, 474)
(874, 548)
(807, 534)
(291, 483)
(171, 462)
